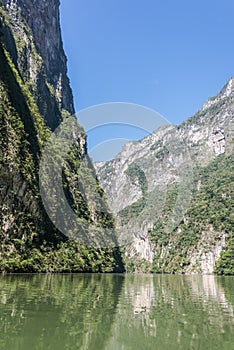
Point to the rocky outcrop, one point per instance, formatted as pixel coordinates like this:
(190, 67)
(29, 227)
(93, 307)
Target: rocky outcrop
(35, 97)
(35, 44)
(166, 161)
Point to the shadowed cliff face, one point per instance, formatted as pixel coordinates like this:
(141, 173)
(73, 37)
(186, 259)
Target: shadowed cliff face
(151, 185)
(35, 97)
(39, 55)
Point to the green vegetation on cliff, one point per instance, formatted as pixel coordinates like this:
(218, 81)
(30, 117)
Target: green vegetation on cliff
(28, 240)
(210, 212)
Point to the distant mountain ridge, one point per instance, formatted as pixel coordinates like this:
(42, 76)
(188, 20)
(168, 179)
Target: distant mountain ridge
(146, 177)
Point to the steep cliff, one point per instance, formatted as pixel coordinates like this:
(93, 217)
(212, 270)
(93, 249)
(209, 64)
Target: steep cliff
(35, 97)
(159, 189)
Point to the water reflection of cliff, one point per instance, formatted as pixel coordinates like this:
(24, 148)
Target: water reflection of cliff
(116, 312)
(57, 312)
(209, 290)
(174, 312)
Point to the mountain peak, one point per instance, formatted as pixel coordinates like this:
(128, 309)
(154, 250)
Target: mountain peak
(163, 168)
(226, 91)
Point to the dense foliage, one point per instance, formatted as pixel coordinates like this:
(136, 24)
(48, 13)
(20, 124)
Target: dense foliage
(28, 240)
(210, 212)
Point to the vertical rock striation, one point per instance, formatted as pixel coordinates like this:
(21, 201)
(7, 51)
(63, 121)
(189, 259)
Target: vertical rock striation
(35, 44)
(35, 96)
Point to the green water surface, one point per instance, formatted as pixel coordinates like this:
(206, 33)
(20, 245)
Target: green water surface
(94, 311)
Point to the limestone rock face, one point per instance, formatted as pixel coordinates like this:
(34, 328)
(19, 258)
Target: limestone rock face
(167, 157)
(35, 97)
(39, 55)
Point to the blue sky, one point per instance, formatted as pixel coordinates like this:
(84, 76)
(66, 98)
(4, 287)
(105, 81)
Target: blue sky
(167, 55)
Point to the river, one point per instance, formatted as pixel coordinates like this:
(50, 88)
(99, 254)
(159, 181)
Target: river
(116, 312)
